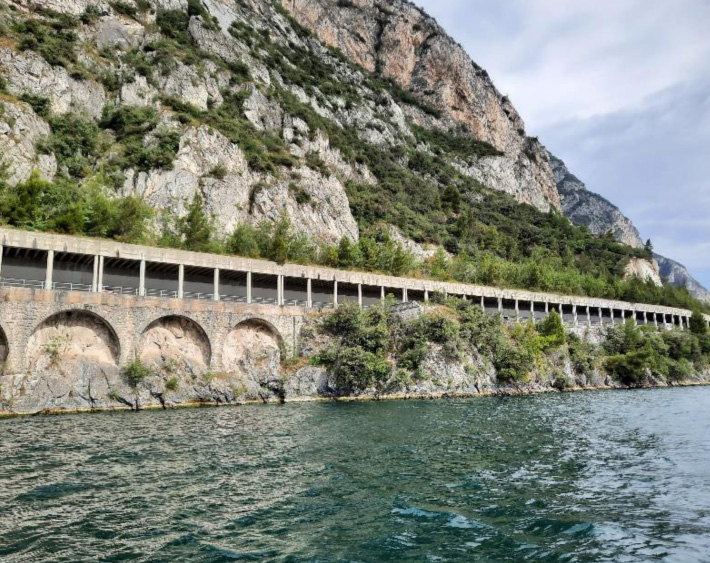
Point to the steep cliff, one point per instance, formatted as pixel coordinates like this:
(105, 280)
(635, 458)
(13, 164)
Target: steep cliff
(591, 210)
(397, 40)
(678, 275)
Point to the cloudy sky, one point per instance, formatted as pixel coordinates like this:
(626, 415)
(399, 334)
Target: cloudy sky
(620, 90)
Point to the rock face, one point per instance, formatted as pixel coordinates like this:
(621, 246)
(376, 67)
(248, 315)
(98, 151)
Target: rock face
(399, 41)
(28, 73)
(20, 131)
(591, 210)
(643, 269)
(236, 194)
(678, 275)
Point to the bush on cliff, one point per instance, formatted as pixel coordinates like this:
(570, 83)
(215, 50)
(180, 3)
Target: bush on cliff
(136, 372)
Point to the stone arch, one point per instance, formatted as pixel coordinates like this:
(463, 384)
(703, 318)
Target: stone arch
(70, 341)
(253, 349)
(176, 343)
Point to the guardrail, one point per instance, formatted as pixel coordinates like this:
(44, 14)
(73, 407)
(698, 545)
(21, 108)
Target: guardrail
(319, 305)
(11, 282)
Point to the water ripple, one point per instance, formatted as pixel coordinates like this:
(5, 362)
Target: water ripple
(571, 478)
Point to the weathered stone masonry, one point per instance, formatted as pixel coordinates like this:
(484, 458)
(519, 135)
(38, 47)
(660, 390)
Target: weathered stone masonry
(130, 288)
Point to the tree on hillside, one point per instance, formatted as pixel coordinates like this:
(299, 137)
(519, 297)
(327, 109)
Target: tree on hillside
(698, 324)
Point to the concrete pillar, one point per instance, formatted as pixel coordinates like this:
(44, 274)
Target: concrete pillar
(141, 280)
(574, 315)
(335, 294)
(382, 293)
(601, 317)
(404, 295)
(1, 253)
(517, 310)
(249, 287)
(589, 316)
(309, 293)
(483, 303)
(655, 319)
(645, 318)
(613, 322)
(359, 295)
(280, 290)
(181, 281)
(50, 270)
(426, 295)
(500, 304)
(547, 308)
(95, 278)
(100, 287)
(215, 291)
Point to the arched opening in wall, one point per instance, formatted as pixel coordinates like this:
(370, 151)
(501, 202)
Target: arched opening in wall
(73, 342)
(253, 350)
(175, 344)
(4, 350)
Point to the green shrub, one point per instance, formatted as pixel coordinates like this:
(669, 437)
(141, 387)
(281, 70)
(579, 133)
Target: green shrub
(41, 106)
(172, 384)
(54, 38)
(124, 8)
(552, 328)
(513, 363)
(136, 372)
(76, 143)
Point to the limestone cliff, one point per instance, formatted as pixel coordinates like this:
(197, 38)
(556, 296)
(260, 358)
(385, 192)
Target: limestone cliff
(591, 210)
(399, 41)
(677, 274)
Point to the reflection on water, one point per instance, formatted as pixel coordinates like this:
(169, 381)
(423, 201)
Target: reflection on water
(609, 476)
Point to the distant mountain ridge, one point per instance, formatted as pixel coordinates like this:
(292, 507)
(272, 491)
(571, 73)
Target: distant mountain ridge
(600, 216)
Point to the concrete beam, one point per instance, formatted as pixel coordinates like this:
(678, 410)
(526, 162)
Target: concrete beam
(50, 270)
(141, 279)
(181, 281)
(112, 249)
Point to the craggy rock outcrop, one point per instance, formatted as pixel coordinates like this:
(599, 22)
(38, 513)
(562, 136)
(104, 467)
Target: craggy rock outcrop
(677, 274)
(591, 210)
(645, 270)
(236, 194)
(27, 72)
(399, 41)
(20, 131)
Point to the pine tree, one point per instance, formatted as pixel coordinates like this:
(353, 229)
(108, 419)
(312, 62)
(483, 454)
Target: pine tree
(196, 227)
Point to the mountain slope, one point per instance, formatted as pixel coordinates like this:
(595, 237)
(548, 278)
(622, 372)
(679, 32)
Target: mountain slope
(400, 42)
(678, 275)
(591, 210)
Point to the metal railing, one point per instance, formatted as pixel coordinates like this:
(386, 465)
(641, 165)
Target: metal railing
(118, 290)
(69, 286)
(12, 282)
(172, 293)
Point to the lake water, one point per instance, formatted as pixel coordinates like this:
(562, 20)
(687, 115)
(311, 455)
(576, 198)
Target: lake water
(595, 476)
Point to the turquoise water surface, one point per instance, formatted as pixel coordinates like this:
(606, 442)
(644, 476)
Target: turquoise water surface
(596, 476)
